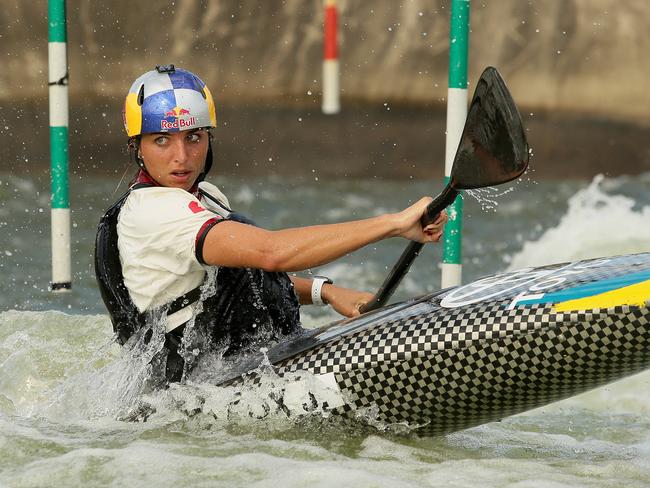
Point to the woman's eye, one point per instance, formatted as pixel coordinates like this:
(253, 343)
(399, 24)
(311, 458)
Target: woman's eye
(160, 140)
(194, 137)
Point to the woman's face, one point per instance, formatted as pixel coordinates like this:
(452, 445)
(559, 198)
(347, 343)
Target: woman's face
(175, 159)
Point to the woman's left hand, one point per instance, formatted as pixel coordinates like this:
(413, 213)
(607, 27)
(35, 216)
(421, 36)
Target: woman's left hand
(345, 300)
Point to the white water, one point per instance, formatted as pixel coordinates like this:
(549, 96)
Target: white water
(595, 224)
(66, 388)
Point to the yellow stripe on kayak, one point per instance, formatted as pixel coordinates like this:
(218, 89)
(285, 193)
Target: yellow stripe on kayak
(636, 294)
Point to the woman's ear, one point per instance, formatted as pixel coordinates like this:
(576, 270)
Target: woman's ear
(135, 153)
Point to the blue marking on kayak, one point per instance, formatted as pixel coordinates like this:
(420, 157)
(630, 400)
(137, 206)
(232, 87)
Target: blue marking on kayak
(590, 289)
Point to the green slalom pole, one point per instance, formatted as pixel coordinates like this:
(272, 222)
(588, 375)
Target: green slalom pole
(58, 94)
(456, 115)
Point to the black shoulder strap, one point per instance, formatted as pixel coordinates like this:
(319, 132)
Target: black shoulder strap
(108, 271)
(137, 186)
(125, 316)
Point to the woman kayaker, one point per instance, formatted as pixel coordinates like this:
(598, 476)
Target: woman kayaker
(171, 251)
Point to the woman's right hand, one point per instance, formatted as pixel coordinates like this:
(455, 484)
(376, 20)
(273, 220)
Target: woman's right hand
(409, 225)
(345, 301)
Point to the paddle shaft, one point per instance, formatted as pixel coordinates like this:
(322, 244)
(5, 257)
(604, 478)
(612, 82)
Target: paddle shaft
(492, 150)
(409, 254)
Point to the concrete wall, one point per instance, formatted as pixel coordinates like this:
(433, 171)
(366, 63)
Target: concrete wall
(588, 56)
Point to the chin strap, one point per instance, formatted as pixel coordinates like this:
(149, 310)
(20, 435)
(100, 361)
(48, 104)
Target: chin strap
(208, 161)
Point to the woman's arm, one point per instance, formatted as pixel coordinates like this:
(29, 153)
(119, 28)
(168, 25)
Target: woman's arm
(344, 300)
(233, 244)
(302, 286)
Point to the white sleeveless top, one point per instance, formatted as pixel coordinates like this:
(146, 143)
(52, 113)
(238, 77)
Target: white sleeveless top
(157, 231)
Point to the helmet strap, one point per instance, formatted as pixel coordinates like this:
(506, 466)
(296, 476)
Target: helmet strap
(208, 161)
(134, 153)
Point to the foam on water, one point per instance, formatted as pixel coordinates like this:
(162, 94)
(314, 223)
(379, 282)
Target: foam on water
(39, 349)
(50, 371)
(596, 224)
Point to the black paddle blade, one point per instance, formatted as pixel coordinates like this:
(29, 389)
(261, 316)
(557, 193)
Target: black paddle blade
(492, 150)
(493, 147)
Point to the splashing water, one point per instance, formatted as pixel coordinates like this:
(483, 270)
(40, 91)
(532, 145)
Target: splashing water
(487, 197)
(64, 384)
(595, 224)
(112, 381)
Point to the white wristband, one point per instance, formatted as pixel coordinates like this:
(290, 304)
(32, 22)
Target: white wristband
(316, 288)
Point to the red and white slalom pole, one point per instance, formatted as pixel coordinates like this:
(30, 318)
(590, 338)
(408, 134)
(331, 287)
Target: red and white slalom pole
(331, 103)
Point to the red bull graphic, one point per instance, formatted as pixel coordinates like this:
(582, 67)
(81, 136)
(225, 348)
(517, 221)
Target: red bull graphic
(182, 119)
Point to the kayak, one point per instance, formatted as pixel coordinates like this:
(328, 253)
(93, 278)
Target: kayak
(477, 353)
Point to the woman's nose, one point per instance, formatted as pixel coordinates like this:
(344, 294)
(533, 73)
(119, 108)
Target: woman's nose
(179, 150)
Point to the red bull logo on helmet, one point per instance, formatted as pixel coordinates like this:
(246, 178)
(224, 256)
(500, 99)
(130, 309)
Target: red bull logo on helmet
(181, 119)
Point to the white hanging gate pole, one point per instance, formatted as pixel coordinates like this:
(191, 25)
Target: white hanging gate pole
(58, 88)
(456, 115)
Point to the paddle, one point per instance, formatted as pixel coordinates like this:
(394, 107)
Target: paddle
(492, 150)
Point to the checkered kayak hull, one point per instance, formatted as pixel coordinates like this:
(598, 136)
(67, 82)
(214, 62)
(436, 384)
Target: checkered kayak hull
(490, 349)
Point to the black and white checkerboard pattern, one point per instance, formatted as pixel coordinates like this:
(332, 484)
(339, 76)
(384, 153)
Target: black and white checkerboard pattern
(450, 369)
